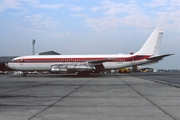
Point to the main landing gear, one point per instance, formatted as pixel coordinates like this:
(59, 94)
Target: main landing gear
(24, 74)
(83, 73)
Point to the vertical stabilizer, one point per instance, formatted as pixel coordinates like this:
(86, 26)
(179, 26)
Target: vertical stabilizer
(152, 45)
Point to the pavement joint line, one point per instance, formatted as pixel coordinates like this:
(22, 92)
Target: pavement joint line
(159, 81)
(61, 98)
(162, 82)
(156, 105)
(170, 84)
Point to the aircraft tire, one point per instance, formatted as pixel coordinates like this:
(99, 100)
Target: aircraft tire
(24, 74)
(83, 74)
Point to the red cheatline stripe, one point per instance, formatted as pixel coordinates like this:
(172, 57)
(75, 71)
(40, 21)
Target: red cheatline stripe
(123, 59)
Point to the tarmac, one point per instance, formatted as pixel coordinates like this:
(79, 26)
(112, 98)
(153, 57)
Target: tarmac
(97, 97)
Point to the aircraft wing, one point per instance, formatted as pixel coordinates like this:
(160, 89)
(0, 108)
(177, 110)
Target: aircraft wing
(90, 62)
(160, 57)
(96, 62)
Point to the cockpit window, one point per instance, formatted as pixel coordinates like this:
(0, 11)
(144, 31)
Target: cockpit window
(13, 60)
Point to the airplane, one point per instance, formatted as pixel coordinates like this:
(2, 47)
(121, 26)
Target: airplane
(86, 64)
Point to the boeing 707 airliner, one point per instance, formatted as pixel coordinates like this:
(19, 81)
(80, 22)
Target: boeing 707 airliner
(85, 64)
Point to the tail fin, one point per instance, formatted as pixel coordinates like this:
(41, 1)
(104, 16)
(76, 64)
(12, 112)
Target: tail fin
(152, 45)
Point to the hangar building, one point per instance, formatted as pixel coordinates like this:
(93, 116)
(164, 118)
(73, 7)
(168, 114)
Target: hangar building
(3, 61)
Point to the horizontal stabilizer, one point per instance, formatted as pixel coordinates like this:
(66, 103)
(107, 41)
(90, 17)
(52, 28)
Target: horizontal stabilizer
(159, 57)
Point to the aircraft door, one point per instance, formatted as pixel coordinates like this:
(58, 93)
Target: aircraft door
(21, 63)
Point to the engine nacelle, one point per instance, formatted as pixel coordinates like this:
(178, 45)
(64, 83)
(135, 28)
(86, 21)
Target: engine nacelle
(79, 68)
(72, 68)
(58, 69)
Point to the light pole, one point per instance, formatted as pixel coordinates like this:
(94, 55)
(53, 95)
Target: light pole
(33, 46)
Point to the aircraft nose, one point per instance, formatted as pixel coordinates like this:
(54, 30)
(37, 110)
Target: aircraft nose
(8, 66)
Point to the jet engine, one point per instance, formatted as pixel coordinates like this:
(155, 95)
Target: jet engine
(71, 68)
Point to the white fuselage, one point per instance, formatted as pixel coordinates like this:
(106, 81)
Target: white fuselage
(45, 62)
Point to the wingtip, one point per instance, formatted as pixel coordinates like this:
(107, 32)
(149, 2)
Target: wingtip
(171, 54)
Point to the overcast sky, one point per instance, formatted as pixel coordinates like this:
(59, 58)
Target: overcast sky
(89, 26)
